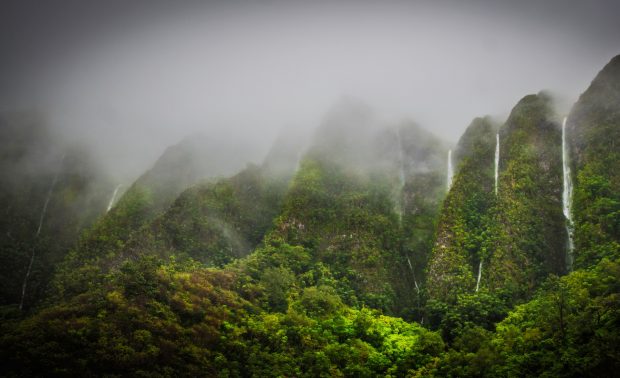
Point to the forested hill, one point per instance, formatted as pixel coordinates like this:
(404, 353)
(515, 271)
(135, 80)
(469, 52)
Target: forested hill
(371, 250)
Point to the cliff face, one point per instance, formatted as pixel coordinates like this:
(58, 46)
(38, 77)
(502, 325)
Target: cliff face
(518, 235)
(528, 221)
(463, 237)
(593, 129)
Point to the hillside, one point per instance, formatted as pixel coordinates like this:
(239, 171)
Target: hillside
(372, 249)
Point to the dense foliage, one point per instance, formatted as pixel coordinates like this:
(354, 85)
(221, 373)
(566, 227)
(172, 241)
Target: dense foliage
(352, 262)
(516, 236)
(529, 227)
(594, 132)
(463, 237)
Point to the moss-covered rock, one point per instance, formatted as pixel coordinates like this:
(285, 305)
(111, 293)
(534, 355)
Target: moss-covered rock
(529, 231)
(463, 236)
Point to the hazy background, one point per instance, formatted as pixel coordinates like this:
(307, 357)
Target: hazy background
(129, 78)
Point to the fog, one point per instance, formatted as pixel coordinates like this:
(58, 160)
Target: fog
(129, 78)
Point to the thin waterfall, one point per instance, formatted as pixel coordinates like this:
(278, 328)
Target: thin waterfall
(298, 163)
(479, 276)
(415, 282)
(401, 174)
(47, 201)
(113, 199)
(567, 194)
(401, 157)
(36, 235)
(450, 171)
(496, 160)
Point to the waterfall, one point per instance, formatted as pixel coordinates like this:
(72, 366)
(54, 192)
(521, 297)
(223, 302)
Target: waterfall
(298, 162)
(401, 158)
(479, 276)
(417, 288)
(111, 203)
(36, 235)
(401, 175)
(450, 172)
(567, 194)
(496, 160)
(46, 203)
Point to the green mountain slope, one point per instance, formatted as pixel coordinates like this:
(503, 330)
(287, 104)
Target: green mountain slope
(298, 268)
(463, 235)
(593, 129)
(529, 226)
(214, 223)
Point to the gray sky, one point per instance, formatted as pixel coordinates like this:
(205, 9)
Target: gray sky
(131, 77)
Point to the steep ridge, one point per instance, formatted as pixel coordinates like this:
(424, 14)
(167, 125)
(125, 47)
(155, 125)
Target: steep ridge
(593, 131)
(494, 250)
(211, 222)
(192, 160)
(215, 223)
(362, 205)
(528, 231)
(462, 236)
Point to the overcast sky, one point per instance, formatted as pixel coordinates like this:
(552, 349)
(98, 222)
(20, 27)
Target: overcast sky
(117, 73)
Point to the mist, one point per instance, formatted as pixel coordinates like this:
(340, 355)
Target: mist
(128, 79)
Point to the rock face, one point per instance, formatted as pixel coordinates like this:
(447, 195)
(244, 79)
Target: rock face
(462, 234)
(593, 129)
(528, 221)
(518, 233)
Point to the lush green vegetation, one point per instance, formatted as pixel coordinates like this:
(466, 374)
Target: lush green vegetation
(569, 329)
(529, 228)
(594, 133)
(357, 265)
(518, 235)
(463, 236)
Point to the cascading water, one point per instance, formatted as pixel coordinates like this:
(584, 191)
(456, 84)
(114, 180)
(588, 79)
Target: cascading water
(496, 174)
(415, 282)
(401, 175)
(401, 158)
(450, 171)
(298, 163)
(36, 235)
(113, 199)
(46, 203)
(479, 275)
(496, 160)
(567, 194)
